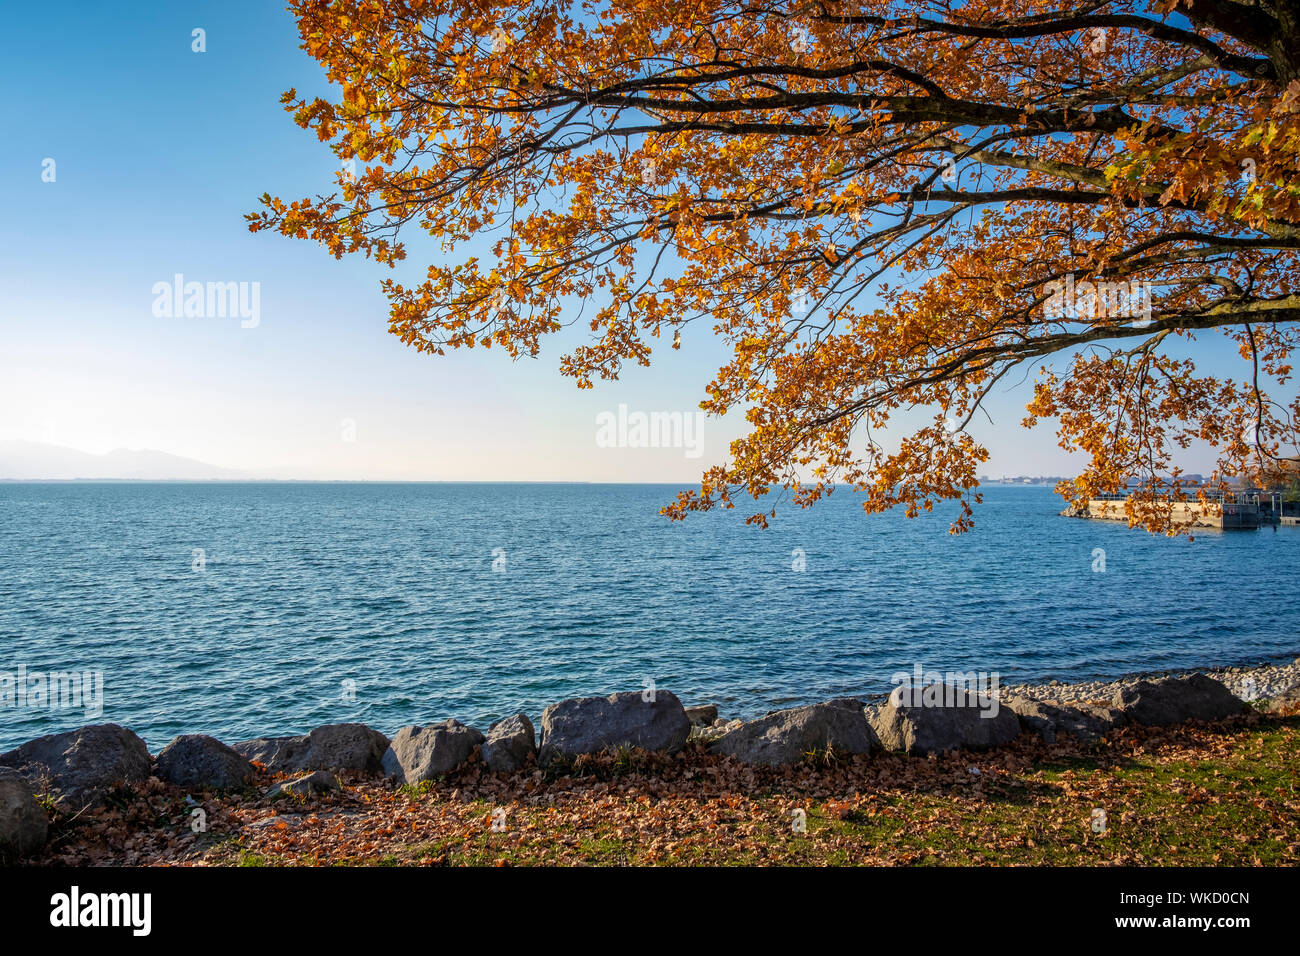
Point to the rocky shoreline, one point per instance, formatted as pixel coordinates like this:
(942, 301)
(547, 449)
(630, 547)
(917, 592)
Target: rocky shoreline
(66, 773)
(1249, 682)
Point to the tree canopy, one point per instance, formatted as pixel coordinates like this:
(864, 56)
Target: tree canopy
(877, 206)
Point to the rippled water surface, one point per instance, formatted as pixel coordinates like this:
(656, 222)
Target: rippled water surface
(392, 587)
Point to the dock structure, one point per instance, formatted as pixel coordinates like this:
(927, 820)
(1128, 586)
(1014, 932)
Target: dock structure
(1239, 511)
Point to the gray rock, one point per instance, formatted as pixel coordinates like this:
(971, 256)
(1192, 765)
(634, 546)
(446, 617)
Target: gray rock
(276, 754)
(702, 716)
(331, 747)
(914, 727)
(308, 785)
(1049, 718)
(1103, 717)
(198, 761)
(23, 823)
(425, 753)
(788, 736)
(77, 767)
(509, 743)
(1172, 700)
(346, 747)
(1284, 702)
(1037, 716)
(653, 720)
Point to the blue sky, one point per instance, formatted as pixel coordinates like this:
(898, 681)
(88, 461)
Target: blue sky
(159, 151)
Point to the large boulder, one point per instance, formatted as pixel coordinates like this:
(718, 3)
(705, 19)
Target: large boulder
(277, 754)
(77, 767)
(912, 723)
(345, 747)
(651, 720)
(425, 753)
(509, 743)
(1048, 719)
(1172, 700)
(331, 747)
(23, 823)
(197, 761)
(789, 736)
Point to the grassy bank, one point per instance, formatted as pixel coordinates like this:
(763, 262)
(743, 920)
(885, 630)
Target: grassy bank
(1227, 794)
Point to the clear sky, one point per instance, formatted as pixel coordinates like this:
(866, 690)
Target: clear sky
(158, 152)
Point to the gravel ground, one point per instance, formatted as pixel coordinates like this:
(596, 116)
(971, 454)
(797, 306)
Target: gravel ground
(1250, 682)
(1257, 682)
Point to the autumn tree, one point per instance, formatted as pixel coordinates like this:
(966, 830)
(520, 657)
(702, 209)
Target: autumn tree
(877, 206)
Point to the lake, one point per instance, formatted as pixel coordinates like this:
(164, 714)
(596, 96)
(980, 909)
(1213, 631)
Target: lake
(249, 609)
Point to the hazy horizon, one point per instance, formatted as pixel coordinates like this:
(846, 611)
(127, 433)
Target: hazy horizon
(46, 460)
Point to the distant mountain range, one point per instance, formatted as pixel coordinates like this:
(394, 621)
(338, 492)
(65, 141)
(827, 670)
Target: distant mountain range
(35, 461)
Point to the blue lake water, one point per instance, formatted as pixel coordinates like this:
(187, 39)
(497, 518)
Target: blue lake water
(304, 588)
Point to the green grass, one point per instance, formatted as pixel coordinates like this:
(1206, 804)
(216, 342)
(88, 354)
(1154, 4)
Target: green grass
(1238, 809)
(1235, 809)
(1198, 797)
